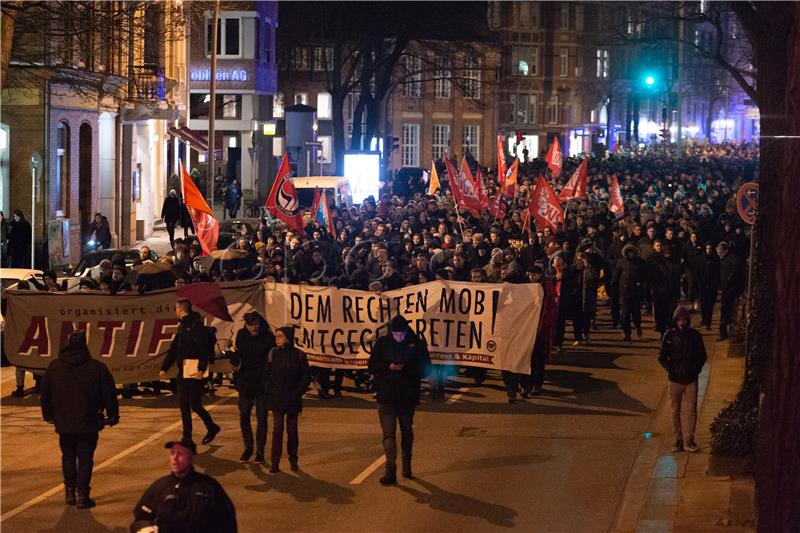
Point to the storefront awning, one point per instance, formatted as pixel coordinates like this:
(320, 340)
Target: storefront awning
(197, 141)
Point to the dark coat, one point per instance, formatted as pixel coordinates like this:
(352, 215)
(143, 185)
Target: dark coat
(587, 289)
(629, 275)
(665, 277)
(682, 355)
(569, 299)
(706, 269)
(192, 341)
(171, 210)
(251, 358)
(732, 275)
(194, 504)
(75, 390)
(289, 377)
(102, 232)
(19, 243)
(400, 389)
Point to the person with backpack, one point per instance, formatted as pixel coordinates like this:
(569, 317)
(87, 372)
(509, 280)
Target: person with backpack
(192, 351)
(78, 398)
(250, 359)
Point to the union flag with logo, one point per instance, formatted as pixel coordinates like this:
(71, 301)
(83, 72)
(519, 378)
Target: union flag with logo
(554, 158)
(282, 201)
(463, 186)
(545, 207)
(205, 225)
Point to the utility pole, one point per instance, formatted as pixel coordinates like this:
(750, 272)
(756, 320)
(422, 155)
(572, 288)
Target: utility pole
(212, 108)
(679, 139)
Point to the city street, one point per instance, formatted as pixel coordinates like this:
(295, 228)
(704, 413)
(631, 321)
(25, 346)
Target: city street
(557, 462)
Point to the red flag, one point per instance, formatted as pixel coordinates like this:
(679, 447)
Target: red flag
(463, 187)
(497, 207)
(501, 160)
(282, 201)
(545, 207)
(315, 203)
(483, 197)
(616, 205)
(205, 225)
(208, 297)
(577, 184)
(510, 180)
(553, 158)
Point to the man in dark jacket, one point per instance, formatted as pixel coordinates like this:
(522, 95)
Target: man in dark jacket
(101, 231)
(683, 355)
(192, 350)
(76, 391)
(665, 281)
(629, 276)
(398, 362)
(185, 501)
(732, 282)
(253, 343)
(171, 213)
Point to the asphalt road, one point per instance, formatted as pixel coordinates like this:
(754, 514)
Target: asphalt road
(558, 462)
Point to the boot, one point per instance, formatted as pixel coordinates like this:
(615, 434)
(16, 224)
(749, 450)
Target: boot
(407, 467)
(69, 496)
(84, 501)
(19, 392)
(246, 454)
(390, 477)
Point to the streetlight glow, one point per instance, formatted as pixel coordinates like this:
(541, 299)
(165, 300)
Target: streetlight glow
(649, 81)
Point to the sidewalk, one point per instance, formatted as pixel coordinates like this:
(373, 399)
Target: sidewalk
(159, 239)
(688, 492)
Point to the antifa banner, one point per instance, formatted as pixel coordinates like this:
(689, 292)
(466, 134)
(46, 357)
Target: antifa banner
(130, 333)
(471, 324)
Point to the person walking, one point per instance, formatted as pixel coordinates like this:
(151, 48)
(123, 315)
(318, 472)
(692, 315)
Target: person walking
(565, 280)
(100, 231)
(707, 280)
(184, 501)
(665, 281)
(732, 282)
(397, 363)
(171, 214)
(78, 397)
(629, 277)
(252, 346)
(191, 351)
(233, 197)
(290, 376)
(683, 355)
(588, 278)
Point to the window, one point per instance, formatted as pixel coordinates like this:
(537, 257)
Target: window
(579, 62)
(534, 15)
(442, 86)
(525, 61)
(564, 20)
(301, 98)
(300, 58)
(277, 147)
(472, 75)
(323, 59)
(472, 140)
(228, 106)
(324, 105)
(533, 106)
(228, 36)
(579, 18)
(410, 148)
(602, 63)
(277, 105)
(413, 87)
(563, 55)
(441, 139)
(522, 109)
(552, 112)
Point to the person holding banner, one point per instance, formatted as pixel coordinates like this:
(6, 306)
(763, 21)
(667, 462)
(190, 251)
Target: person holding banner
(398, 362)
(252, 346)
(191, 351)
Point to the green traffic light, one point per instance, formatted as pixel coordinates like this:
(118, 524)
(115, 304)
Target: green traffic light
(649, 80)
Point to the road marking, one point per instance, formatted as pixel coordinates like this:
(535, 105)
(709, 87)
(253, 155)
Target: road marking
(121, 455)
(457, 396)
(369, 470)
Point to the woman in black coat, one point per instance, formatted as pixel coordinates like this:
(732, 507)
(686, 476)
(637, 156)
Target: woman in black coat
(290, 376)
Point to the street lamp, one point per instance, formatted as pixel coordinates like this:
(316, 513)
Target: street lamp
(649, 80)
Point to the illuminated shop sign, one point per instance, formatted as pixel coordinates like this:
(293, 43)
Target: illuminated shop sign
(232, 74)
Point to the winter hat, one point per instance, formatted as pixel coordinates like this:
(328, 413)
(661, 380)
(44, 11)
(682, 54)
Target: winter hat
(398, 323)
(288, 332)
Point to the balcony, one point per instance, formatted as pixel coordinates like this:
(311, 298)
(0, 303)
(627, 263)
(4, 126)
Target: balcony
(147, 94)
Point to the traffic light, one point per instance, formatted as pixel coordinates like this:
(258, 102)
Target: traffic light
(665, 136)
(392, 143)
(649, 80)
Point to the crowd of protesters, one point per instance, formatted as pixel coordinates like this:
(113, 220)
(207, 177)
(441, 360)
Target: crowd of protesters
(679, 237)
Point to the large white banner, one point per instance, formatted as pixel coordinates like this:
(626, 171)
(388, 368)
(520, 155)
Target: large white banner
(472, 324)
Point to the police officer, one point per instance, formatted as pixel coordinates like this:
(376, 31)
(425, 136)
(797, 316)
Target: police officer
(398, 362)
(185, 500)
(253, 343)
(76, 392)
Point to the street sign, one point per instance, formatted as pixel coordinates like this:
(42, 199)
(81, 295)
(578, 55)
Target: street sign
(36, 161)
(747, 202)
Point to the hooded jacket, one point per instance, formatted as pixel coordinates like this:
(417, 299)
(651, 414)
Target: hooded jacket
(400, 389)
(75, 389)
(683, 353)
(629, 273)
(251, 356)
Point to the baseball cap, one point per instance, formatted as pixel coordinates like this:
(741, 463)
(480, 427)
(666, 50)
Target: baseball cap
(185, 442)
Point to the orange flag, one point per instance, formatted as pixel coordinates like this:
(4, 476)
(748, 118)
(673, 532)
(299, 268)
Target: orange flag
(282, 201)
(577, 184)
(501, 160)
(433, 183)
(616, 204)
(510, 180)
(205, 225)
(554, 157)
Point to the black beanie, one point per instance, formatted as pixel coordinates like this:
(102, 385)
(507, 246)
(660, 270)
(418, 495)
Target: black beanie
(398, 323)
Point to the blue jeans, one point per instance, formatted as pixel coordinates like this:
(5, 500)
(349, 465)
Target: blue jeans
(77, 459)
